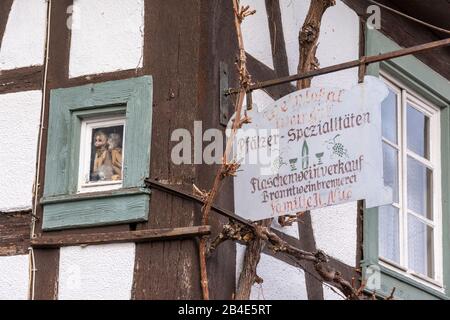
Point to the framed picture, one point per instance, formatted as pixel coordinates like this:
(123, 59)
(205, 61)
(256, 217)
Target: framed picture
(101, 154)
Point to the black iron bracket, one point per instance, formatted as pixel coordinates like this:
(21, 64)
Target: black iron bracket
(225, 103)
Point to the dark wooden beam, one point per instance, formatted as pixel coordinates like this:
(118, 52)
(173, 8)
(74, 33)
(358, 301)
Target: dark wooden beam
(348, 65)
(5, 8)
(46, 274)
(307, 242)
(48, 242)
(348, 272)
(14, 233)
(171, 55)
(218, 44)
(22, 79)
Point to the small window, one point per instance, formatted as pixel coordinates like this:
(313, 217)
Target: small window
(98, 154)
(101, 154)
(410, 228)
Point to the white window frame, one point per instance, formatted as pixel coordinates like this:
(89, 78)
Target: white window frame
(87, 127)
(406, 95)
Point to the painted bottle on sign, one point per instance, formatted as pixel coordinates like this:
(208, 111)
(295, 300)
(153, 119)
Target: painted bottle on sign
(305, 156)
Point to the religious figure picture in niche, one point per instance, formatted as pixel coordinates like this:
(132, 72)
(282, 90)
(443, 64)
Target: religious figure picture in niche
(101, 154)
(106, 154)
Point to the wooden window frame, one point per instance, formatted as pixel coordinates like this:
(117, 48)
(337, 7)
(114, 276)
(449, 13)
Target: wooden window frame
(406, 96)
(64, 207)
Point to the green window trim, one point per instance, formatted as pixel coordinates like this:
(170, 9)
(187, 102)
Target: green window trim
(435, 88)
(64, 208)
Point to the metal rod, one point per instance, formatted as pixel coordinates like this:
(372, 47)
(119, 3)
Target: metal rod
(151, 235)
(226, 213)
(346, 65)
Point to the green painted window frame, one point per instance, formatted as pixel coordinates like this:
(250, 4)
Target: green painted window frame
(435, 88)
(64, 208)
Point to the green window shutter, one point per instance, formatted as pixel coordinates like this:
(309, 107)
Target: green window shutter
(63, 207)
(435, 88)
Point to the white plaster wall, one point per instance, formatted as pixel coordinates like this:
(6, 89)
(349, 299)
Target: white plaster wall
(19, 128)
(107, 35)
(24, 39)
(103, 272)
(335, 231)
(14, 277)
(281, 281)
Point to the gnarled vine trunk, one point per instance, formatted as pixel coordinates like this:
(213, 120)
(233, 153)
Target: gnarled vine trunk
(308, 38)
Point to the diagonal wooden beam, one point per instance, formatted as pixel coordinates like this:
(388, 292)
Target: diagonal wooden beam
(347, 271)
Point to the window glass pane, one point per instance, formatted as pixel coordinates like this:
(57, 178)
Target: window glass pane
(388, 233)
(419, 188)
(390, 169)
(389, 117)
(418, 132)
(420, 247)
(106, 154)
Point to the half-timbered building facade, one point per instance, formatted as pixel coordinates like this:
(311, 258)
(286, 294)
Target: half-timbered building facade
(77, 76)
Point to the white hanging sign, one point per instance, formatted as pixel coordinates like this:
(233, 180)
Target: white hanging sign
(314, 148)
